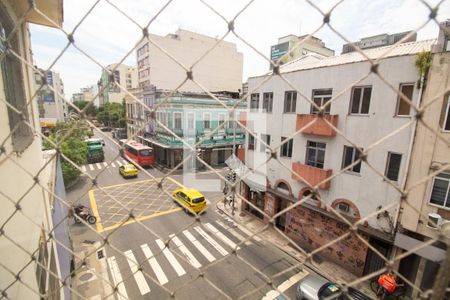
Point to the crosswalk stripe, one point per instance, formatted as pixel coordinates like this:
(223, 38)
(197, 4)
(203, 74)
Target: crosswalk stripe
(222, 236)
(199, 246)
(172, 260)
(211, 240)
(113, 165)
(117, 278)
(105, 164)
(124, 162)
(83, 168)
(245, 230)
(192, 260)
(91, 167)
(162, 278)
(98, 166)
(118, 163)
(138, 276)
(234, 232)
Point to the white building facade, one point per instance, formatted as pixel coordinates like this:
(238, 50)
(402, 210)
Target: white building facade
(26, 214)
(220, 70)
(117, 74)
(365, 110)
(50, 96)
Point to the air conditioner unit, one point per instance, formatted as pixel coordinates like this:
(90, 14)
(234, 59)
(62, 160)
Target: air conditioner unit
(434, 220)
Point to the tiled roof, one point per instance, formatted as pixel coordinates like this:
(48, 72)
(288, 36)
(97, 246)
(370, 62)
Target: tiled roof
(352, 57)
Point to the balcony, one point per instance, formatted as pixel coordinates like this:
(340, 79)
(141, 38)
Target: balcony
(311, 175)
(319, 127)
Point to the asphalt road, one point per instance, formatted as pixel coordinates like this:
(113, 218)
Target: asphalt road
(198, 262)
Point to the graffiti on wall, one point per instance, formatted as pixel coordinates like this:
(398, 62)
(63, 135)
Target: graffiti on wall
(312, 230)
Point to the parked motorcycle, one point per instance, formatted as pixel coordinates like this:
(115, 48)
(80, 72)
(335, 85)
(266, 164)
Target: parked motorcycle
(82, 212)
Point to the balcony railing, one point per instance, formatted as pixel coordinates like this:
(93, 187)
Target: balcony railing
(319, 126)
(311, 175)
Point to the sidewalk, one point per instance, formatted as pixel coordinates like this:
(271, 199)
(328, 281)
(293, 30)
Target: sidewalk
(327, 269)
(90, 281)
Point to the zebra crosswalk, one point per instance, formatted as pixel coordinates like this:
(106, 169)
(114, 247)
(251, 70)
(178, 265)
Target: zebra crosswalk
(157, 262)
(102, 165)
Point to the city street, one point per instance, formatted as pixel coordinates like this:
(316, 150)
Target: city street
(140, 217)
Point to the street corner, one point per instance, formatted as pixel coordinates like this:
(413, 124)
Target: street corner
(145, 199)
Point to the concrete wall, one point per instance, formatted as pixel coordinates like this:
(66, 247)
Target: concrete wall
(220, 70)
(22, 231)
(366, 190)
(428, 150)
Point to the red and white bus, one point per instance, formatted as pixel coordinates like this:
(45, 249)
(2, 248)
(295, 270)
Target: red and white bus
(139, 154)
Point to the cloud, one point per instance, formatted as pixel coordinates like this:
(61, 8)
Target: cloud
(107, 35)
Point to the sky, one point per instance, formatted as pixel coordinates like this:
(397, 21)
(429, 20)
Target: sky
(106, 35)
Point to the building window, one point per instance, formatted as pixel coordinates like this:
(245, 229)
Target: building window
(177, 120)
(446, 125)
(267, 102)
(286, 149)
(315, 154)
(13, 85)
(440, 195)
(393, 165)
(190, 121)
(254, 101)
(290, 101)
(321, 97)
(221, 119)
(251, 142)
(266, 139)
(351, 155)
(403, 107)
(207, 121)
(360, 101)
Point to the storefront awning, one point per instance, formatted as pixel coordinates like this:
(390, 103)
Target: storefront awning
(429, 252)
(153, 142)
(256, 182)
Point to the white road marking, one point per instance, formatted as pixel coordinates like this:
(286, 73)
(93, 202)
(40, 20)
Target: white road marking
(191, 258)
(222, 236)
(83, 168)
(118, 163)
(172, 260)
(199, 246)
(245, 230)
(105, 164)
(138, 276)
(162, 278)
(98, 166)
(112, 164)
(233, 232)
(284, 286)
(117, 278)
(91, 167)
(125, 162)
(211, 240)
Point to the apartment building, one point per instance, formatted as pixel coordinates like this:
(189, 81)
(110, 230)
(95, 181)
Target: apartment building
(220, 70)
(297, 46)
(50, 98)
(87, 94)
(426, 213)
(116, 75)
(365, 110)
(191, 117)
(28, 209)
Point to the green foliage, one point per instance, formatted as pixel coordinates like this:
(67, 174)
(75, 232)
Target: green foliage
(70, 136)
(423, 62)
(91, 111)
(112, 114)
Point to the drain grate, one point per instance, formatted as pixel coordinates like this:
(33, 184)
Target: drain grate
(100, 254)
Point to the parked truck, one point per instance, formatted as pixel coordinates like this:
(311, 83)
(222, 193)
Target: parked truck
(95, 151)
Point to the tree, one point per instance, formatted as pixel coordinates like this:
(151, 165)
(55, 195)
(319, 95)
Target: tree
(91, 111)
(112, 114)
(70, 136)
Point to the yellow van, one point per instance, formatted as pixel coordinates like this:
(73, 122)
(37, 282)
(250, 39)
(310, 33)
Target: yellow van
(192, 199)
